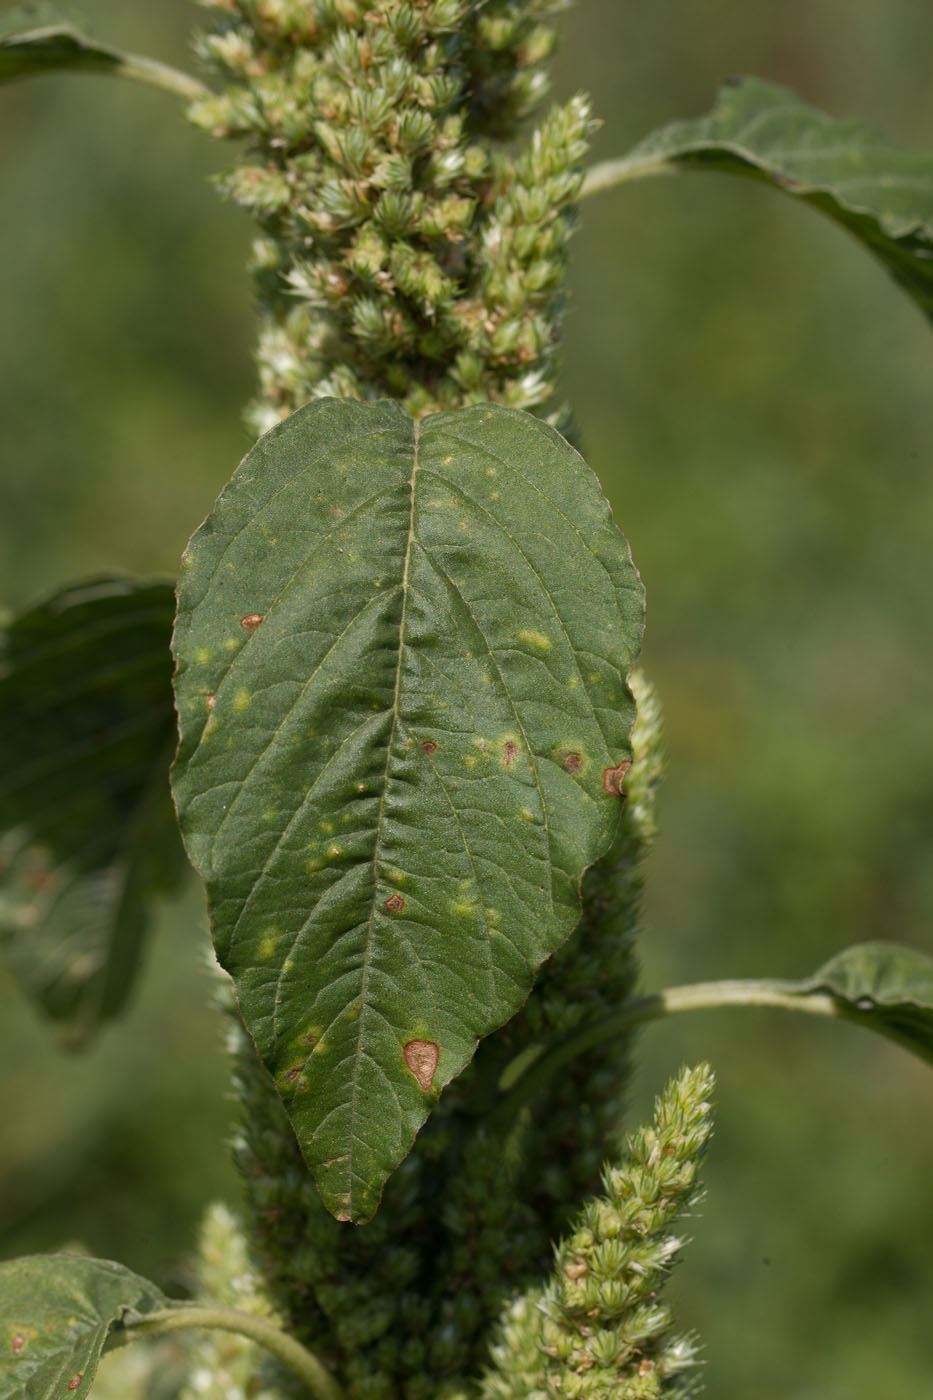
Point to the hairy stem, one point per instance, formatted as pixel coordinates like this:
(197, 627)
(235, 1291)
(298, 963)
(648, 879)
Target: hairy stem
(523, 1081)
(623, 171)
(161, 75)
(259, 1329)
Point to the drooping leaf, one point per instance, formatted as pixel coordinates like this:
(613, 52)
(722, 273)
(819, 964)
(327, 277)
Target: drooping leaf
(401, 654)
(55, 1313)
(886, 987)
(882, 195)
(87, 830)
(38, 38)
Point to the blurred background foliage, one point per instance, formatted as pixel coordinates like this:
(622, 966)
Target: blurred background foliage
(755, 397)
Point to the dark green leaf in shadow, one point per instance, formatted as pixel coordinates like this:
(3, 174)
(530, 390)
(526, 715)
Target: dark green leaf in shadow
(402, 656)
(885, 987)
(87, 830)
(55, 1313)
(845, 169)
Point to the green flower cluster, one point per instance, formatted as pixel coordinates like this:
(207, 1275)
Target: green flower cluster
(413, 246)
(599, 1331)
(225, 1364)
(406, 252)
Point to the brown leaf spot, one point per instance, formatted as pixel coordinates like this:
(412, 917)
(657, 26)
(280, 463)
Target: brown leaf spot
(395, 904)
(251, 621)
(645, 1367)
(577, 1269)
(429, 746)
(76, 1381)
(310, 1038)
(293, 1074)
(571, 762)
(510, 751)
(613, 778)
(421, 1057)
(19, 1341)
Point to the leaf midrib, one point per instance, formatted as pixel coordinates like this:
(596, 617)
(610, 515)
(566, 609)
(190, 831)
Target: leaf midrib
(380, 816)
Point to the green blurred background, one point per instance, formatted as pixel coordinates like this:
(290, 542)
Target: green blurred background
(755, 396)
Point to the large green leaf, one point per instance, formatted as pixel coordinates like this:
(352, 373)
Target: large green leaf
(844, 168)
(55, 1313)
(402, 654)
(87, 831)
(38, 39)
(885, 987)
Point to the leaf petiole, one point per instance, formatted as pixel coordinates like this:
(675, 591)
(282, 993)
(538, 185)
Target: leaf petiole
(881, 986)
(316, 1377)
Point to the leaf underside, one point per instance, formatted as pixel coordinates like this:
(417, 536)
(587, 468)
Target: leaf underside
(55, 1313)
(38, 39)
(844, 168)
(401, 655)
(885, 986)
(87, 831)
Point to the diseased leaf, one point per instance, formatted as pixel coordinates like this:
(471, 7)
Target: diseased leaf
(844, 168)
(402, 653)
(886, 987)
(55, 1313)
(87, 830)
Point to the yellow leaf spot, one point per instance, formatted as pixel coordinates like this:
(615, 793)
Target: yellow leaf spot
(463, 908)
(268, 943)
(202, 656)
(327, 828)
(315, 864)
(535, 639)
(242, 700)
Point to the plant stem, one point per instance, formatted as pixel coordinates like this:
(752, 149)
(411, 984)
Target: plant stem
(697, 996)
(259, 1329)
(620, 172)
(746, 991)
(160, 75)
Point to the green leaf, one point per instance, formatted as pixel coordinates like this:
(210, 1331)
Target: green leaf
(401, 654)
(55, 1313)
(885, 987)
(38, 39)
(844, 168)
(87, 830)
